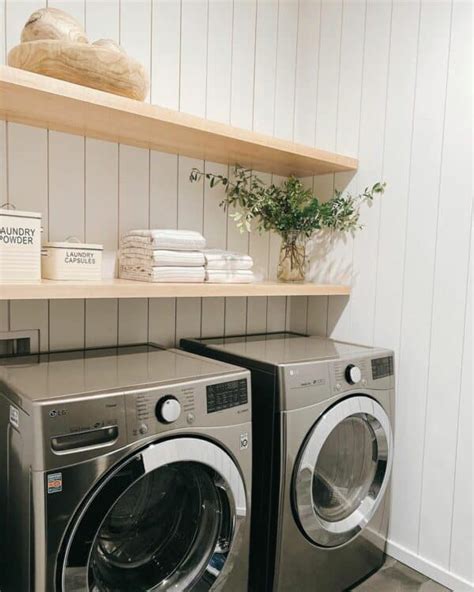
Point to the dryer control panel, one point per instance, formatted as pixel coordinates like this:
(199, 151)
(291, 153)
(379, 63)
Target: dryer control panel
(308, 383)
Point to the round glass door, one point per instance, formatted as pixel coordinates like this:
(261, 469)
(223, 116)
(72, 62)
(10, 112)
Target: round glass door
(342, 471)
(159, 523)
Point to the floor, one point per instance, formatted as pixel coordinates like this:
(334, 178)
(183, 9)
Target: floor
(396, 577)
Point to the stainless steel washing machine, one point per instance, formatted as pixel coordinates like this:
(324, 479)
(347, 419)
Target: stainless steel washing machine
(324, 412)
(124, 470)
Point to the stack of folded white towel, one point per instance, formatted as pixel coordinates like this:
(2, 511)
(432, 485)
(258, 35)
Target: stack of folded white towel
(162, 256)
(227, 267)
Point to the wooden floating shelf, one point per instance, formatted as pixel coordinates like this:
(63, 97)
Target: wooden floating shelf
(46, 102)
(49, 289)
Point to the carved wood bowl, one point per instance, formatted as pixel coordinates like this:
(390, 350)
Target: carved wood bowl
(96, 66)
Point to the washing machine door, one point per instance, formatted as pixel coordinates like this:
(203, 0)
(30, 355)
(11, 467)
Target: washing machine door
(342, 471)
(166, 519)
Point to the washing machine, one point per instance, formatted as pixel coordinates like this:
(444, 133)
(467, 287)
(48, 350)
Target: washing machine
(323, 449)
(124, 470)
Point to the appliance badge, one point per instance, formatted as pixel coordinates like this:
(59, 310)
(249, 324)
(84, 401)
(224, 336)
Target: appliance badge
(14, 417)
(244, 441)
(55, 482)
(57, 412)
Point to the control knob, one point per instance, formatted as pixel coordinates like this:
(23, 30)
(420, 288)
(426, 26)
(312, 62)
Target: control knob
(168, 409)
(353, 374)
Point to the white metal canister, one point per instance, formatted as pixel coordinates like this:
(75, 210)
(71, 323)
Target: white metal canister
(20, 246)
(71, 260)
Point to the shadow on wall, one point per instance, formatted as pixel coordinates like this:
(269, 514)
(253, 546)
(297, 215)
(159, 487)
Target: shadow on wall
(330, 258)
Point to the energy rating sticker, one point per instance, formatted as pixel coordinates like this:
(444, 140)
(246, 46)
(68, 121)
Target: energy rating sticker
(55, 482)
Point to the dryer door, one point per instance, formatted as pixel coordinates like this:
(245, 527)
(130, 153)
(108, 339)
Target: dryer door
(166, 519)
(342, 471)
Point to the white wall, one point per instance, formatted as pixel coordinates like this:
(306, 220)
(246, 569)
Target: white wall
(391, 84)
(381, 81)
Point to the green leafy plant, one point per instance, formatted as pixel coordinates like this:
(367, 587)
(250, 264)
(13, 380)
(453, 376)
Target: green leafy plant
(289, 208)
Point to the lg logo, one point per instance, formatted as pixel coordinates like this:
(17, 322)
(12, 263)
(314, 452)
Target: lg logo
(57, 412)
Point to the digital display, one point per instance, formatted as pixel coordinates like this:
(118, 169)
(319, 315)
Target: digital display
(382, 367)
(226, 395)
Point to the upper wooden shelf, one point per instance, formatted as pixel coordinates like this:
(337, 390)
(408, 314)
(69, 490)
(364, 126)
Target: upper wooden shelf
(46, 102)
(49, 289)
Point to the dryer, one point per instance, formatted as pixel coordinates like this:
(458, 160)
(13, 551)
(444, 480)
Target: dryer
(324, 413)
(124, 469)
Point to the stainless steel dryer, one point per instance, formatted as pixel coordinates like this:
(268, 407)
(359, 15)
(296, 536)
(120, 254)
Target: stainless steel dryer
(326, 494)
(124, 470)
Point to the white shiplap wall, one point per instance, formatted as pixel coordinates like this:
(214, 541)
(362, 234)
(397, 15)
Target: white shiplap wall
(391, 84)
(383, 81)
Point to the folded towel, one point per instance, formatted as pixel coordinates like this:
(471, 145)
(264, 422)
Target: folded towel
(186, 240)
(220, 259)
(219, 276)
(162, 274)
(161, 258)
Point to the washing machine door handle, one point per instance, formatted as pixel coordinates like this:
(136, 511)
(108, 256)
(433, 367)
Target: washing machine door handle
(334, 500)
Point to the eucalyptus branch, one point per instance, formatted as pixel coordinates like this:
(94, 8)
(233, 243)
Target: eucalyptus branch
(288, 208)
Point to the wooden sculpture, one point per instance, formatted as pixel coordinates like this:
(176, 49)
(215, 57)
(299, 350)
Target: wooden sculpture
(54, 44)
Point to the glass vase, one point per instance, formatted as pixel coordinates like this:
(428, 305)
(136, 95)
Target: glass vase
(293, 262)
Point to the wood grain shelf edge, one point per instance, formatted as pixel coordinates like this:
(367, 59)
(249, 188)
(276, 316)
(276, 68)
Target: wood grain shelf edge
(52, 290)
(41, 101)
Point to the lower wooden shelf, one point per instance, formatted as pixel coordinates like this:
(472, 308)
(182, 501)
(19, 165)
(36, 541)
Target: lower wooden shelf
(49, 290)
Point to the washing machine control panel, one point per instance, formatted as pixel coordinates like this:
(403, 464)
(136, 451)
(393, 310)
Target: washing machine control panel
(202, 403)
(353, 374)
(226, 395)
(382, 367)
(348, 374)
(168, 409)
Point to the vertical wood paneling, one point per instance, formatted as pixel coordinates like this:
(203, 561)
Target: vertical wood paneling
(67, 211)
(325, 136)
(166, 53)
(219, 59)
(102, 19)
(28, 149)
(101, 226)
(133, 213)
(462, 544)
(215, 231)
(286, 68)
(190, 209)
(307, 62)
(285, 88)
(243, 61)
(135, 29)
(231, 315)
(163, 214)
(347, 141)
(372, 127)
(306, 86)
(66, 219)
(328, 74)
(397, 166)
(165, 89)
(193, 87)
(447, 322)
(193, 56)
(419, 262)
(265, 67)
(241, 314)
